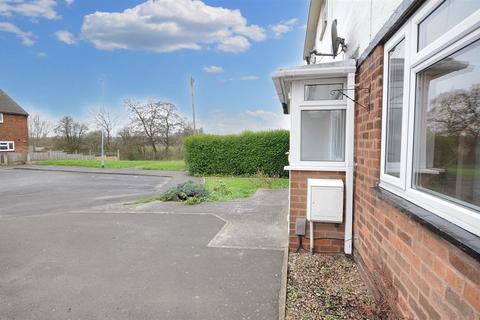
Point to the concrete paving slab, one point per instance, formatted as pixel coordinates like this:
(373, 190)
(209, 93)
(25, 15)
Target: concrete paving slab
(120, 266)
(64, 257)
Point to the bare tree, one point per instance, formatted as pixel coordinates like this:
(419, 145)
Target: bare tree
(457, 112)
(106, 121)
(157, 121)
(71, 133)
(171, 124)
(38, 128)
(132, 144)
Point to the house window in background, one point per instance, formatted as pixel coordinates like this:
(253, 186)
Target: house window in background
(7, 146)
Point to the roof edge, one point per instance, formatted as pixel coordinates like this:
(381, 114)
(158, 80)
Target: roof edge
(11, 106)
(312, 25)
(283, 77)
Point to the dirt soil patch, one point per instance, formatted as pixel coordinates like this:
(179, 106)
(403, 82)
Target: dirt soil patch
(327, 287)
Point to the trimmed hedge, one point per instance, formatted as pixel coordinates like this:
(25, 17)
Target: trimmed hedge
(245, 154)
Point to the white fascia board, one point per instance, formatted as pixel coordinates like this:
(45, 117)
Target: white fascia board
(282, 79)
(312, 24)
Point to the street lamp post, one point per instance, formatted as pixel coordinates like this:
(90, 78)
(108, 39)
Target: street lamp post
(103, 154)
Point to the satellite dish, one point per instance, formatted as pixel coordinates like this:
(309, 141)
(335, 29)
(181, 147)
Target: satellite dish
(336, 43)
(336, 40)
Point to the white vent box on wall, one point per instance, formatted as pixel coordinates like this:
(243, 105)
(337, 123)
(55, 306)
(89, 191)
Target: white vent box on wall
(325, 200)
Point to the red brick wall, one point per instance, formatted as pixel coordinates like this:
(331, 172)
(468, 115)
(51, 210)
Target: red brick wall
(421, 274)
(15, 128)
(298, 209)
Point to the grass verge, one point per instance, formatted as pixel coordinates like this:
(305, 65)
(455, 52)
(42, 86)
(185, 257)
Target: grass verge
(229, 188)
(176, 165)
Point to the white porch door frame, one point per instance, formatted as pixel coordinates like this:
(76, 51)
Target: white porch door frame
(288, 80)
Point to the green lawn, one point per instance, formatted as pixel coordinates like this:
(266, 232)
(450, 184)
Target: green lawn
(228, 188)
(145, 165)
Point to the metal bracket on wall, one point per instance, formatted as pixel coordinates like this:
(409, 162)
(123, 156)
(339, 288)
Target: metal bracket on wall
(341, 91)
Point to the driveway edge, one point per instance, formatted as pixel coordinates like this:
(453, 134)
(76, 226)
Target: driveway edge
(93, 172)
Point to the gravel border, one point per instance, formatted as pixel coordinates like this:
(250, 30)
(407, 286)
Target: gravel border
(330, 287)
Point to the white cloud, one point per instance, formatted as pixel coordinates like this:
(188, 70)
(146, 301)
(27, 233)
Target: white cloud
(65, 36)
(41, 55)
(34, 8)
(243, 78)
(171, 25)
(283, 27)
(234, 44)
(28, 39)
(248, 78)
(69, 2)
(220, 123)
(212, 69)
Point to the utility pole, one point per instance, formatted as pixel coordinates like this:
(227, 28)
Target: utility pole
(192, 88)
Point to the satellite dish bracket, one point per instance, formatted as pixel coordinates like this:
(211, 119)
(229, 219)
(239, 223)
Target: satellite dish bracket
(336, 42)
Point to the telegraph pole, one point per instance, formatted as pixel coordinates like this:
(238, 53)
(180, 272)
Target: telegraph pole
(192, 88)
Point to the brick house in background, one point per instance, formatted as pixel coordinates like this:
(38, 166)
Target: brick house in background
(13, 126)
(392, 113)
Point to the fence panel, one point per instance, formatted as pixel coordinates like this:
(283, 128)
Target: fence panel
(58, 155)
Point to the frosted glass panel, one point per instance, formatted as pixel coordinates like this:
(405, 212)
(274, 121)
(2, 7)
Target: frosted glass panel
(443, 18)
(323, 135)
(323, 91)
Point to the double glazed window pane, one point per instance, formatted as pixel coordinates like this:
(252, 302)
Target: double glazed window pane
(443, 18)
(396, 64)
(6, 146)
(447, 128)
(323, 135)
(328, 91)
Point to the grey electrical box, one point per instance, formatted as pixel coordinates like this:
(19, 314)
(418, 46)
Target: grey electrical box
(300, 226)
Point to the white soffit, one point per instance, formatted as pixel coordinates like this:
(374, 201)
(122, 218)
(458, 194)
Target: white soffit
(282, 79)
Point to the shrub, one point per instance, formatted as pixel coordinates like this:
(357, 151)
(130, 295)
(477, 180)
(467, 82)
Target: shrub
(245, 154)
(189, 191)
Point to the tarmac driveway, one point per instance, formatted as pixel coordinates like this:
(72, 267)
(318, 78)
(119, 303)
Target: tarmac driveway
(70, 249)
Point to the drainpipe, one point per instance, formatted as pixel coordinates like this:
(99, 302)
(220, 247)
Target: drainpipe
(348, 244)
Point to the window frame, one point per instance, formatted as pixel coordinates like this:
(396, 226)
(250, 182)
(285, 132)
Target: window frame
(1, 117)
(464, 33)
(394, 41)
(8, 146)
(315, 105)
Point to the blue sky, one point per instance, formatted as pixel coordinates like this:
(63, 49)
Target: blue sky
(55, 55)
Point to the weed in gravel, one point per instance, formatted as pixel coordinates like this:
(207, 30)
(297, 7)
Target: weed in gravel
(292, 295)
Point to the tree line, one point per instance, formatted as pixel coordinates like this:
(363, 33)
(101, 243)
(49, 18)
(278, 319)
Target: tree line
(155, 130)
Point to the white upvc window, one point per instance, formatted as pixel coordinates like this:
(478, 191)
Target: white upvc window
(1, 117)
(319, 119)
(431, 111)
(7, 146)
